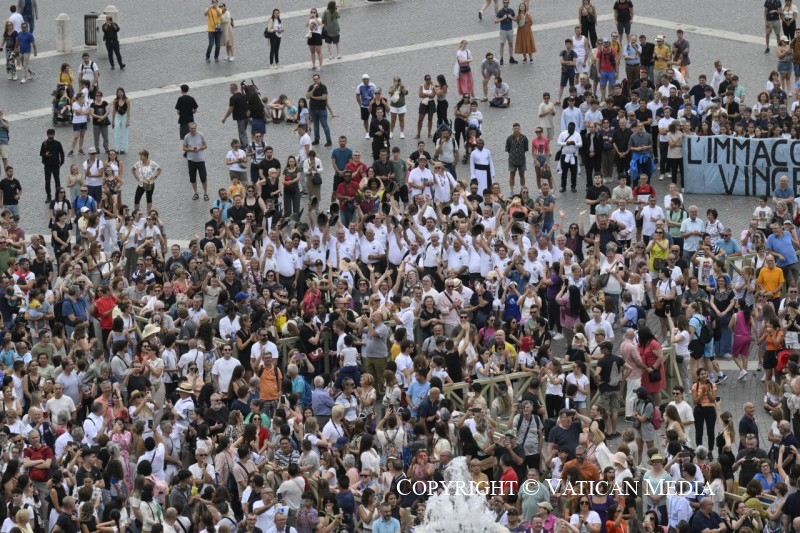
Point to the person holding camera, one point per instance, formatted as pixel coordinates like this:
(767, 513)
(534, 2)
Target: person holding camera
(748, 459)
(111, 38)
(312, 174)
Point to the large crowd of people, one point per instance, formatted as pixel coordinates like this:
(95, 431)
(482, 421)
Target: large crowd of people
(299, 366)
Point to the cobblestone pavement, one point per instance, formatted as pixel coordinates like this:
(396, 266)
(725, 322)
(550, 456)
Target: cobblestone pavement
(164, 43)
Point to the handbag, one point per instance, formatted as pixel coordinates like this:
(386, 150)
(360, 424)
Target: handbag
(547, 174)
(654, 375)
(464, 68)
(316, 179)
(602, 280)
(658, 264)
(308, 35)
(396, 96)
(266, 33)
(148, 185)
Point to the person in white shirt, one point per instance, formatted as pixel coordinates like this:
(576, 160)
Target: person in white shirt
(203, 473)
(570, 142)
(649, 215)
(292, 489)
(420, 179)
(182, 410)
(94, 424)
(265, 510)
(263, 348)
(626, 218)
(481, 166)
(229, 324)
(222, 371)
(193, 357)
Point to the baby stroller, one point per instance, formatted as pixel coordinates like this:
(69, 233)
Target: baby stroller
(250, 88)
(473, 134)
(62, 108)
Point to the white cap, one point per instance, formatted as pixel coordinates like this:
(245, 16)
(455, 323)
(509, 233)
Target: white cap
(365, 76)
(84, 209)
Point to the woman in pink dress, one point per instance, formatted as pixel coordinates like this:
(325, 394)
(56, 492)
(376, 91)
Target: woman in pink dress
(743, 329)
(122, 438)
(653, 358)
(463, 60)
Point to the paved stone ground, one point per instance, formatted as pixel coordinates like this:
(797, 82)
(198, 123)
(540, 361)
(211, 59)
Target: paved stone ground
(404, 37)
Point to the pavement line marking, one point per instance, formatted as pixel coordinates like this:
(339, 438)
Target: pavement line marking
(181, 32)
(451, 41)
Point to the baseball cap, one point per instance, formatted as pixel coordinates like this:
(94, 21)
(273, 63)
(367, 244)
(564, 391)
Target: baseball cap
(365, 76)
(84, 209)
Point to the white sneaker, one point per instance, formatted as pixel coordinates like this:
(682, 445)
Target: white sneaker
(391, 135)
(661, 177)
(14, 77)
(402, 135)
(230, 58)
(742, 374)
(558, 337)
(366, 135)
(32, 74)
(764, 378)
(23, 80)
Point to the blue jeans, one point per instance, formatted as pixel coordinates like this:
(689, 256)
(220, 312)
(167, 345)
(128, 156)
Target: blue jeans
(30, 19)
(13, 209)
(213, 41)
(320, 117)
(346, 217)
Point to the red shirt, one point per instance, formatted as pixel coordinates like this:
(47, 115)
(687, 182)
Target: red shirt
(102, 305)
(509, 483)
(358, 171)
(347, 189)
(42, 454)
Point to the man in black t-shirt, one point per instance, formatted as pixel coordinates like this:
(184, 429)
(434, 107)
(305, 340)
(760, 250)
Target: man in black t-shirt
(135, 380)
(610, 372)
(237, 106)
(317, 96)
(186, 106)
(623, 16)
(11, 191)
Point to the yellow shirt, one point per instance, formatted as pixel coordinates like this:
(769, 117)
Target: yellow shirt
(214, 16)
(770, 279)
(394, 351)
(65, 78)
(233, 190)
(661, 56)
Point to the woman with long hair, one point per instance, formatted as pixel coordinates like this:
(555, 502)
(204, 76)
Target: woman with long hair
(121, 120)
(724, 442)
(274, 33)
(587, 18)
(572, 310)
(525, 44)
(465, 85)
(653, 376)
(743, 328)
(314, 38)
(330, 20)
(440, 90)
